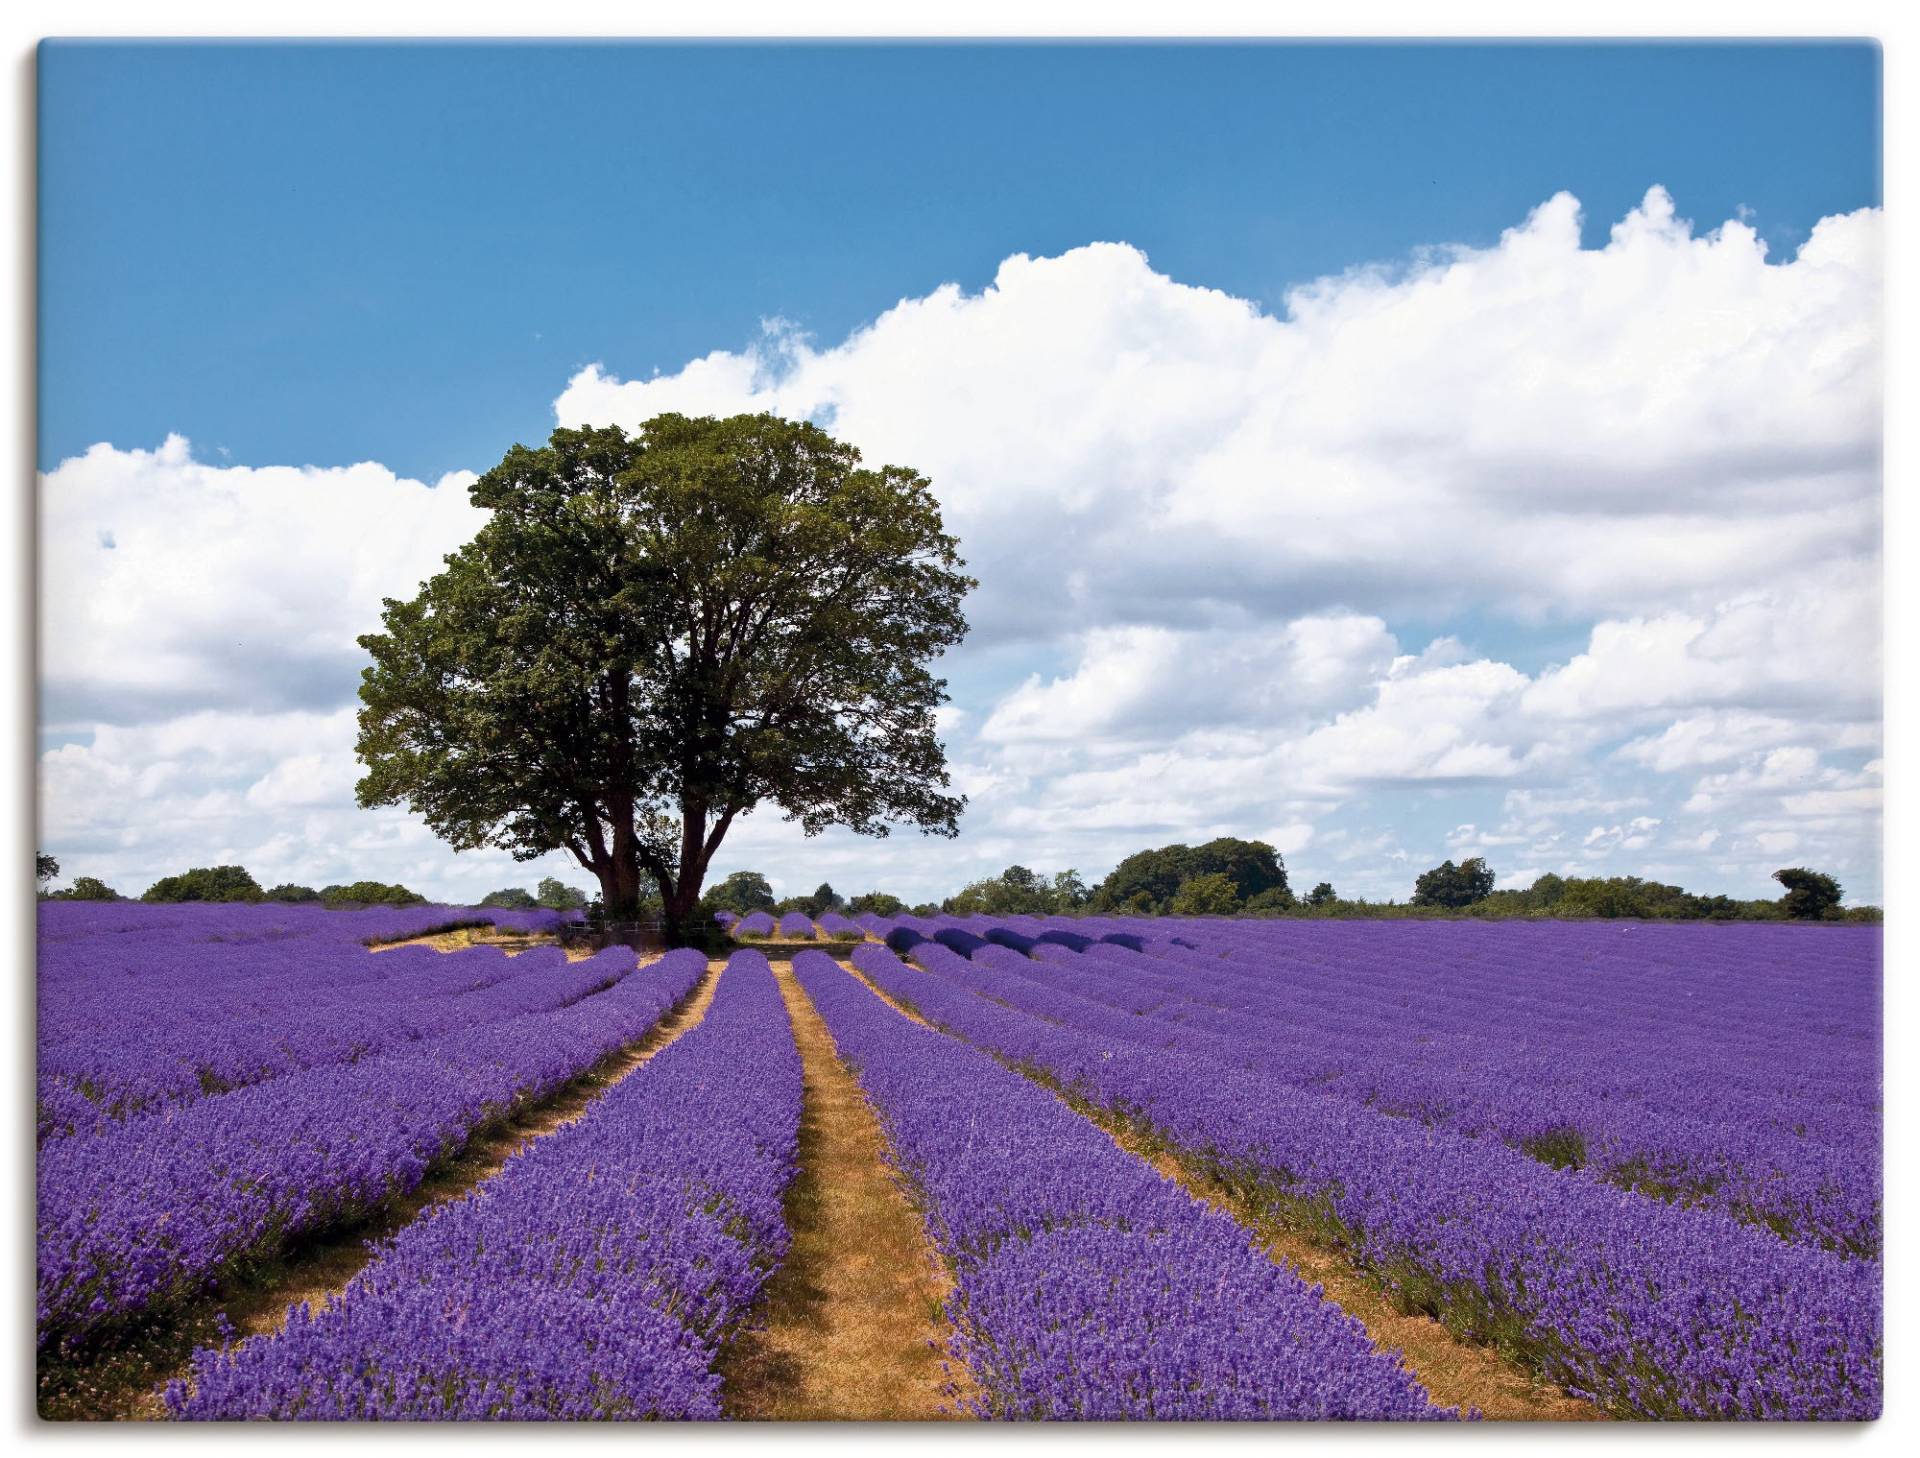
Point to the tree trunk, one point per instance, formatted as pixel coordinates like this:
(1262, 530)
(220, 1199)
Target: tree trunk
(681, 902)
(620, 888)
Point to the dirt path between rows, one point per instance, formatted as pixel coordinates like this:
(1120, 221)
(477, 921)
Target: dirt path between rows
(850, 1327)
(126, 1384)
(463, 938)
(1456, 1373)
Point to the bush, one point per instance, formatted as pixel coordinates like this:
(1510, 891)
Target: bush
(1210, 895)
(206, 883)
(292, 893)
(877, 902)
(1274, 901)
(86, 888)
(510, 898)
(369, 893)
(1018, 891)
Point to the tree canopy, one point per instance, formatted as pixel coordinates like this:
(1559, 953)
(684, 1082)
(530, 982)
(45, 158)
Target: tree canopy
(1018, 891)
(370, 893)
(555, 895)
(510, 898)
(1210, 894)
(1147, 881)
(206, 883)
(86, 888)
(1810, 895)
(1454, 886)
(655, 634)
(743, 892)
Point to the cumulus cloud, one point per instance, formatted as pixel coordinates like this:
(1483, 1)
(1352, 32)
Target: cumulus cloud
(1202, 532)
(1145, 680)
(1530, 427)
(169, 585)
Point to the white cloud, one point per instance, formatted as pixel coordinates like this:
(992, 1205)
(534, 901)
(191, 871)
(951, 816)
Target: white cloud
(1148, 680)
(1532, 426)
(1719, 736)
(1197, 526)
(168, 585)
(1812, 646)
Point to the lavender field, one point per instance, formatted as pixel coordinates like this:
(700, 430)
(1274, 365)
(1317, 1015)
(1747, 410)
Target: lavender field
(1636, 1165)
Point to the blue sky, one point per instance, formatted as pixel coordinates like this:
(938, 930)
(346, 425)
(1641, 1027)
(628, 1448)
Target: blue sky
(326, 253)
(407, 255)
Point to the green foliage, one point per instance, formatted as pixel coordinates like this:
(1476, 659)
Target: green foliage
(877, 902)
(652, 635)
(369, 893)
(1810, 895)
(1146, 882)
(86, 888)
(1274, 901)
(1213, 894)
(557, 897)
(45, 868)
(1450, 890)
(1454, 886)
(743, 892)
(510, 898)
(1018, 891)
(823, 898)
(1578, 897)
(206, 883)
(291, 893)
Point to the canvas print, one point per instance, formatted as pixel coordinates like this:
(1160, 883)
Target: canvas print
(952, 732)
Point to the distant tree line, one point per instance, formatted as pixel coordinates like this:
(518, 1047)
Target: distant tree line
(227, 884)
(1231, 877)
(1224, 877)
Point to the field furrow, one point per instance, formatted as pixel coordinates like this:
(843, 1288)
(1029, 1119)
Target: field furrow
(145, 1217)
(1649, 1309)
(597, 1276)
(1085, 1285)
(126, 1380)
(852, 1326)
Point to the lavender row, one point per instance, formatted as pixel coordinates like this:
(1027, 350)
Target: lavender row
(1704, 1082)
(1649, 1309)
(143, 1005)
(1085, 1285)
(152, 1212)
(182, 1050)
(594, 1277)
(1806, 1186)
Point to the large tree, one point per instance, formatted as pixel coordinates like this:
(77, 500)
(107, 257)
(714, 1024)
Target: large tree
(654, 634)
